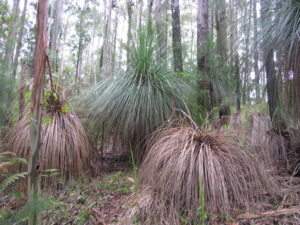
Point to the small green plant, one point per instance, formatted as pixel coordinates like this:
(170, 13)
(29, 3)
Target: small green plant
(6, 164)
(135, 179)
(203, 214)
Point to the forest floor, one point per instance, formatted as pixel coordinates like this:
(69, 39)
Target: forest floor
(101, 199)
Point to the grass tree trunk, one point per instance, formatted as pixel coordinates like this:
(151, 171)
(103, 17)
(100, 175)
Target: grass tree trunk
(20, 38)
(256, 70)
(22, 91)
(36, 111)
(176, 33)
(202, 35)
(57, 23)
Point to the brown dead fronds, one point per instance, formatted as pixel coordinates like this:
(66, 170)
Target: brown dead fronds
(272, 146)
(179, 157)
(65, 146)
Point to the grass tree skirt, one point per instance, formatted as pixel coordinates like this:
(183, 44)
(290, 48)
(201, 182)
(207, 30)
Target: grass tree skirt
(65, 145)
(178, 158)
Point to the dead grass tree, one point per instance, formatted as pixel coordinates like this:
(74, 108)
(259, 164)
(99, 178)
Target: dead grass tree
(181, 156)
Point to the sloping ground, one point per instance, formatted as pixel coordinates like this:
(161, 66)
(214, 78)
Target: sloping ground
(102, 200)
(97, 202)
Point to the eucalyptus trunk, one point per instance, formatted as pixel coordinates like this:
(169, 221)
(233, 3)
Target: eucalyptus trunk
(238, 83)
(57, 24)
(222, 51)
(160, 29)
(36, 111)
(202, 35)
(22, 91)
(221, 26)
(10, 44)
(247, 16)
(256, 70)
(149, 17)
(176, 34)
(106, 44)
(272, 86)
(114, 44)
(129, 12)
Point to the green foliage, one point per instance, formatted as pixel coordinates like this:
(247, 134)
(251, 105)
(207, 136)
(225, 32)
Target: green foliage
(281, 27)
(20, 217)
(6, 163)
(11, 179)
(218, 74)
(138, 101)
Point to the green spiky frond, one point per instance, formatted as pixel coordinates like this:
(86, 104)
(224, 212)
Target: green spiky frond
(281, 29)
(138, 101)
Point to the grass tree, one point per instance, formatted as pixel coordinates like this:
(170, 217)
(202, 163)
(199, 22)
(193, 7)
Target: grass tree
(186, 166)
(138, 101)
(280, 36)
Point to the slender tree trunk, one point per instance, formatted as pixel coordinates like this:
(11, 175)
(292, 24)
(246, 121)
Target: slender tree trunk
(80, 43)
(129, 12)
(232, 41)
(176, 33)
(61, 67)
(202, 35)
(246, 91)
(221, 25)
(272, 86)
(211, 16)
(50, 20)
(140, 14)
(161, 31)
(165, 39)
(256, 70)
(20, 38)
(106, 44)
(114, 44)
(22, 91)
(79, 58)
(36, 110)
(53, 51)
(10, 44)
(238, 83)
(149, 17)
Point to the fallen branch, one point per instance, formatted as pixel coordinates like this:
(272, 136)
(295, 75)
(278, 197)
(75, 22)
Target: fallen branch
(286, 212)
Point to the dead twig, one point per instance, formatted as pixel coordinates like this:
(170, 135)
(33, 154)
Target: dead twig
(97, 214)
(286, 212)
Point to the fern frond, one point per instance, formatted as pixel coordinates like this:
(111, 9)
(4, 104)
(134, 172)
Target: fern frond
(13, 161)
(11, 179)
